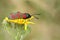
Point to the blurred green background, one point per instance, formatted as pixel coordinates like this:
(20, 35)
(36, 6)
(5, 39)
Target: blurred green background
(48, 25)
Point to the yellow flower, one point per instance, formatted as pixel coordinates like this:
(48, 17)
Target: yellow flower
(21, 21)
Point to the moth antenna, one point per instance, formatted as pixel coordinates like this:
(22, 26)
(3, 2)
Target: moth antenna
(36, 17)
(36, 14)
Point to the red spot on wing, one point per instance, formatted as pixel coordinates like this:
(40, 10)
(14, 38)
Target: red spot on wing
(12, 16)
(18, 15)
(24, 16)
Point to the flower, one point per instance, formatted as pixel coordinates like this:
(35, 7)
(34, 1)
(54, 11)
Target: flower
(20, 21)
